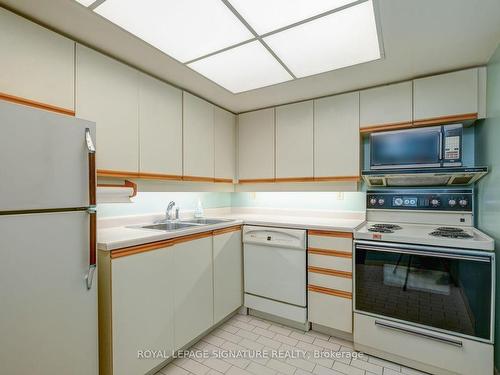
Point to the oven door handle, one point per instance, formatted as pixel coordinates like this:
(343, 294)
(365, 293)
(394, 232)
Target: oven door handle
(425, 253)
(426, 335)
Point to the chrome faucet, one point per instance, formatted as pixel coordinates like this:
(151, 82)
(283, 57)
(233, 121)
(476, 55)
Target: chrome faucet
(168, 212)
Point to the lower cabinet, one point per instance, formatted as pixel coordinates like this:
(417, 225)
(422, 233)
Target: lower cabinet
(163, 295)
(193, 297)
(330, 280)
(228, 272)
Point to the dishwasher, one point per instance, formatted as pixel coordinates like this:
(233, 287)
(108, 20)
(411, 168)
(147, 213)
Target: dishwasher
(275, 269)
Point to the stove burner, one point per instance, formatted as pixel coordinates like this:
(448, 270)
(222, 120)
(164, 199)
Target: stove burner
(380, 230)
(386, 226)
(449, 229)
(451, 234)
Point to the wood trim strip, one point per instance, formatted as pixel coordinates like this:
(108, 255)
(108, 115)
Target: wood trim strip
(294, 179)
(338, 178)
(256, 181)
(126, 251)
(445, 119)
(223, 180)
(227, 230)
(330, 272)
(35, 104)
(131, 250)
(127, 183)
(331, 292)
(198, 179)
(332, 253)
(116, 174)
(388, 126)
(327, 233)
(159, 176)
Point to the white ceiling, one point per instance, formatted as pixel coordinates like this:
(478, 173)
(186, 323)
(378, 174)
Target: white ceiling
(420, 37)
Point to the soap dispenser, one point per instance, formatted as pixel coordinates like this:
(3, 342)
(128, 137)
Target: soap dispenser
(198, 212)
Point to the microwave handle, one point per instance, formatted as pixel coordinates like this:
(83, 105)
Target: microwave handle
(441, 145)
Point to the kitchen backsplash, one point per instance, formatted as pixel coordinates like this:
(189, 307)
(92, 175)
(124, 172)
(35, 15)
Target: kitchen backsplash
(153, 202)
(333, 201)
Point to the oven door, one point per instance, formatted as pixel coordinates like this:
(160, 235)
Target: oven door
(406, 148)
(447, 290)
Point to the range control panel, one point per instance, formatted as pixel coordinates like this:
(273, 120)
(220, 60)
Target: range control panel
(421, 199)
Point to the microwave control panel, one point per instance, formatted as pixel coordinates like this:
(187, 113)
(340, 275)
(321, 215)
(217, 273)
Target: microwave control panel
(414, 199)
(452, 144)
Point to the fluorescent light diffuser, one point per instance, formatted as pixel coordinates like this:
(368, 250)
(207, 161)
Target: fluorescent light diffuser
(85, 3)
(243, 68)
(341, 39)
(185, 29)
(268, 15)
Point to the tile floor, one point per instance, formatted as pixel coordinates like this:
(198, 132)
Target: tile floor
(248, 333)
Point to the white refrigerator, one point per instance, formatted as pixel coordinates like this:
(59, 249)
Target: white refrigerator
(48, 290)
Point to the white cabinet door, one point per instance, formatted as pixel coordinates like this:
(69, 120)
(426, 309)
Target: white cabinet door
(336, 136)
(294, 140)
(256, 145)
(448, 94)
(225, 147)
(228, 273)
(386, 105)
(160, 127)
(37, 64)
(107, 93)
(193, 296)
(142, 309)
(198, 137)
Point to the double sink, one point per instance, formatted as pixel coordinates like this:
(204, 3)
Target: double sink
(170, 226)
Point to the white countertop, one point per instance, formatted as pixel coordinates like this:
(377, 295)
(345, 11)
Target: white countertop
(120, 236)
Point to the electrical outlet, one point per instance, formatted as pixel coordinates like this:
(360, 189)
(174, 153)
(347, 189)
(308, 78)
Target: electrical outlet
(340, 196)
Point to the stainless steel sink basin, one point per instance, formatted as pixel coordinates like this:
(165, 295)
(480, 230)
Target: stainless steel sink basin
(169, 226)
(204, 221)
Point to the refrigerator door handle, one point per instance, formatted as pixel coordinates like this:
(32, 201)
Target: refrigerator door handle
(92, 246)
(92, 168)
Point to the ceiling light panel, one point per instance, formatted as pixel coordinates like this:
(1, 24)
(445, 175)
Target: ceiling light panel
(269, 15)
(86, 2)
(341, 39)
(185, 29)
(243, 68)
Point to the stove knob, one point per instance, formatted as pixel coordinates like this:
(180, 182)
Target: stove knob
(381, 201)
(463, 202)
(398, 202)
(373, 201)
(435, 202)
(452, 202)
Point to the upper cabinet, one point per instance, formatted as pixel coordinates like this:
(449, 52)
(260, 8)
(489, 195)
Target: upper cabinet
(107, 93)
(37, 64)
(458, 94)
(294, 140)
(386, 105)
(336, 137)
(198, 137)
(160, 128)
(224, 145)
(256, 145)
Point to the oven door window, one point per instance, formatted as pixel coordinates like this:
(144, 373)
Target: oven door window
(406, 148)
(449, 294)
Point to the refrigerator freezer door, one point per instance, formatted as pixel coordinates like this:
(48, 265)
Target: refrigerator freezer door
(48, 317)
(44, 159)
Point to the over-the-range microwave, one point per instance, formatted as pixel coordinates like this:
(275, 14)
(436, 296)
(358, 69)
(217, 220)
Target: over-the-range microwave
(435, 146)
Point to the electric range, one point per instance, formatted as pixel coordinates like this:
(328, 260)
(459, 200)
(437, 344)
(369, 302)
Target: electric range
(424, 281)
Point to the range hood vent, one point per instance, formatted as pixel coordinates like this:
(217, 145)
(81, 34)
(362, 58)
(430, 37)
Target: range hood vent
(424, 176)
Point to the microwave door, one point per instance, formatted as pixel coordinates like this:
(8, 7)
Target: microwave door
(406, 148)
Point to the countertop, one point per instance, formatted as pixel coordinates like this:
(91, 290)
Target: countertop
(117, 237)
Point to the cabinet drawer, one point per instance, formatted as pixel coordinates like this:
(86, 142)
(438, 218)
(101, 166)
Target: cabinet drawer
(330, 262)
(330, 311)
(330, 241)
(374, 334)
(317, 277)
